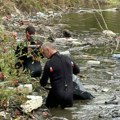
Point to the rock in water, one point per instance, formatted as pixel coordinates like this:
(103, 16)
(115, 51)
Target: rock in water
(66, 33)
(109, 33)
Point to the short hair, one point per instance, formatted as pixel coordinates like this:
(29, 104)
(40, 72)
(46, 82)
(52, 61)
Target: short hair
(48, 44)
(30, 30)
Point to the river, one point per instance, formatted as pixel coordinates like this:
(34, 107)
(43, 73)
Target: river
(101, 80)
(84, 21)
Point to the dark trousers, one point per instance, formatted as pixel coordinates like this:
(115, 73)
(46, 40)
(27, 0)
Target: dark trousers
(64, 100)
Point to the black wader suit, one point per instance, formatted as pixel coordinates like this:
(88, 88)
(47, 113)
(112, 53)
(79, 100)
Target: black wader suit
(59, 69)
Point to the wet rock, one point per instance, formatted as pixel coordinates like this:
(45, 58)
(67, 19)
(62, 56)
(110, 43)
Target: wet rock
(104, 116)
(64, 40)
(110, 114)
(88, 57)
(116, 114)
(109, 33)
(33, 103)
(78, 49)
(75, 43)
(58, 118)
(50, 38)
(4, 115)
(112, 100)
(66, 33)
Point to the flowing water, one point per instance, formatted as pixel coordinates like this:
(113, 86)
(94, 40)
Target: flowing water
(102, 80)
(86, 21)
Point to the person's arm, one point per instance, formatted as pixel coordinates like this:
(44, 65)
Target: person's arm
(45, 76)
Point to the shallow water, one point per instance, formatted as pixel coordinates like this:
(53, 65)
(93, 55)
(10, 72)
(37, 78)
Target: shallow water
(102, 80)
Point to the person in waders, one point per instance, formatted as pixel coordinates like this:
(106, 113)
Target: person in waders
(59, 68)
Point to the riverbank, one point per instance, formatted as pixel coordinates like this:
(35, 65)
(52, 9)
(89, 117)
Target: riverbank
(31, 7)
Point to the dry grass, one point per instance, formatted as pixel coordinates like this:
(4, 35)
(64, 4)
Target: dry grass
(9, 6)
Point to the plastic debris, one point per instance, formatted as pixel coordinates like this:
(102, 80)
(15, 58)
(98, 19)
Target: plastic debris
(25, 88)
(116, 56)
(93, 62)
(34, 102)
(65, 53)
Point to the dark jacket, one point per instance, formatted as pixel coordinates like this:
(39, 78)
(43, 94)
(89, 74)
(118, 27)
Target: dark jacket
(60, 69)
(28, 62)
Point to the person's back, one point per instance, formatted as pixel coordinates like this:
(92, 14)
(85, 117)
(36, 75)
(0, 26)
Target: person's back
(61, 79)
(59, 69)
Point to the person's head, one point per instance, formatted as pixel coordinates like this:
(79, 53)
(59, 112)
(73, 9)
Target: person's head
(30, 30)
(48, 49)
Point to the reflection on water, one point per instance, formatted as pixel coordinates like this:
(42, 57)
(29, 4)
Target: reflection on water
(70, 113)
(62, 113)
(80, 22)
